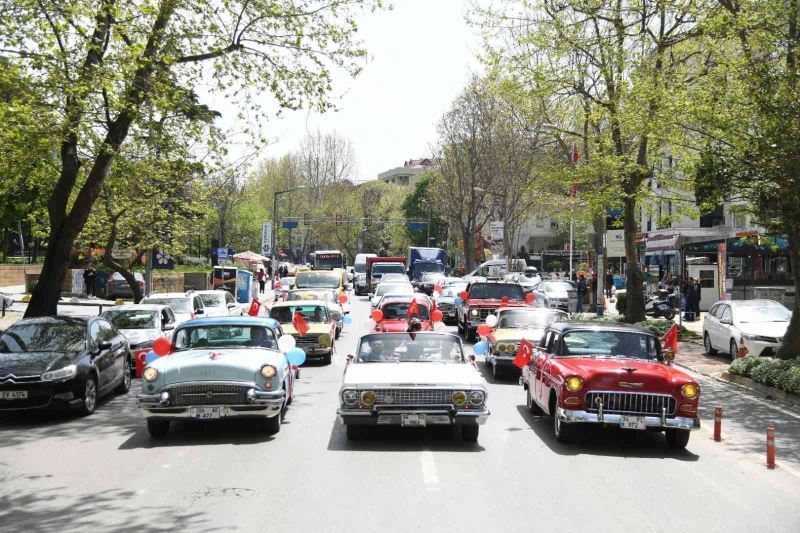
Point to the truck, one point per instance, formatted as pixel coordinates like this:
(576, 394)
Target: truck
(424, 260)
(378, 266)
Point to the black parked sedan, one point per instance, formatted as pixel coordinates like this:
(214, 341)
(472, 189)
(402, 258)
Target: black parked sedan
(62, 362)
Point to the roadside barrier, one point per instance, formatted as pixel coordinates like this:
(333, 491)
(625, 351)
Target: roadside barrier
(770, 447)
(718, 424)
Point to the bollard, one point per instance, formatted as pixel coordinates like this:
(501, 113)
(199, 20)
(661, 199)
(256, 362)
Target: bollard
(742, 349)
(718, 424)
(770, 447)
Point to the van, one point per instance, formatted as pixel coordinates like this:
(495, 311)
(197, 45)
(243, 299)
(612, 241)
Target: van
(494, 269)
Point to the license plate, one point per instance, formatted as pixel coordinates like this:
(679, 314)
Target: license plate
(412, 420)
(632, 422)
(205, 413)
(14, 395)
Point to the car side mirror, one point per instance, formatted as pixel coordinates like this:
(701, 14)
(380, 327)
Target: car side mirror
(370, 296)
(350, 358)
(199, 312)
(102, 347)
(669, 356)
(231, 306)
(168, 326)
(726, 321)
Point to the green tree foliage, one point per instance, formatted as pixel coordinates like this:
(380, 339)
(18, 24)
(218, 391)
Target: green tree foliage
(419, 206)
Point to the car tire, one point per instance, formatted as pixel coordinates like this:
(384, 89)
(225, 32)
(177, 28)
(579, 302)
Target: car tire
(272, 425)
(564, 432)
(469, 433)
(669, 314)
(707, 345)
(89, 396)
(733, 348)
(498, 372)
(338, 334)
(677, 439)
(458, 326)
(125, 385)
(327, 359)
(157, 428)
(472, 334)
(533, 407)
(356, 432)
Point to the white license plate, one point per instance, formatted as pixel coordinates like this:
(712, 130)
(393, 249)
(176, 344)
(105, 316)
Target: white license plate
(412, 420)
(205, 413)
(14, 395)
(632, 422)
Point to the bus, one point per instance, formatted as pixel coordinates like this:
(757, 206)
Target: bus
(327, 260)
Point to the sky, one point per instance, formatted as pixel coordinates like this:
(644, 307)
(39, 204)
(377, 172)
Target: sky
(421, 54)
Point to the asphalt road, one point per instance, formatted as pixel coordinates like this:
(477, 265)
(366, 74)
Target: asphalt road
(104, 473)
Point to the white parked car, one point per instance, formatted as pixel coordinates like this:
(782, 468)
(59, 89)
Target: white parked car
(220, 303)
(760, 323)
(399, 289)
(186, 305)
(412, 381)
(556, 294)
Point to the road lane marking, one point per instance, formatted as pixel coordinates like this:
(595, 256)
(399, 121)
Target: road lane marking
(429, 474)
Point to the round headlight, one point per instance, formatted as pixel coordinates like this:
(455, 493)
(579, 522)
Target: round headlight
(511, 348)
(501, 348)
(459, 398)
(350, 397)
(690, 391)
(477, 397)
(268, 371)
(150, 374)
(324, 341)
(574, 383)
(368, 397)
(474, 312)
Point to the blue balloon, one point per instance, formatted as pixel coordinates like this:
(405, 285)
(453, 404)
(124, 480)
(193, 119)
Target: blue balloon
(457, 300)
(347, 319)
(480, 348)
(150, 357)
(296, 356)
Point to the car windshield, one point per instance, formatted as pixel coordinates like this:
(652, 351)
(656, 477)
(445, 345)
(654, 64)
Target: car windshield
(310, 313)
(496, 291)
(433, 278)
(318, 279)
(451, 291)
(611, 343)
(179, 305)
(395, 310)
(360, 268)
(394, 288)
(47, 337)
(394, 276)
(557, 286)
(523, 318)
(763, 313)
(410, 347)
(224, 336)
(131, 318)
(385, 268)
(428, 267)
(213, 300)
(296, 296)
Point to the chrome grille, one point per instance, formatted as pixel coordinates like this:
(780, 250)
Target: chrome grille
(630, 402)
(307, 340)
(483, 313)
(414, 396)
(209, 395)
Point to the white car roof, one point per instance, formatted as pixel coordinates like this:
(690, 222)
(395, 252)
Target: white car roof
(173, 295)
(138, 307)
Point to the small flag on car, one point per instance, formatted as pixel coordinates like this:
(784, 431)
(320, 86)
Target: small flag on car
(670, 339)
(524, 354)
(299, 323)
(413, 309)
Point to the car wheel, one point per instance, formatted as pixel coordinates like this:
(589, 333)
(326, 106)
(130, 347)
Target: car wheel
(125, 385)
(356, 432)
(327, 358)
(157, 428)
(707, 345)
(338, 334)
(470, 432)
(89, 396)
(734, 350)
(497, 371)
(677, 439)
(533, 407)
(669, 314)
(458, 326)
(472, 334)
(563, 431)
(272, 425)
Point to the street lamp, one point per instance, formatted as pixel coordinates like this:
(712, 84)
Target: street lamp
(275, 222)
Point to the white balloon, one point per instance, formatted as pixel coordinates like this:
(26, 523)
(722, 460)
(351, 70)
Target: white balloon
(491, 321)
(370, 324)
(286, 343)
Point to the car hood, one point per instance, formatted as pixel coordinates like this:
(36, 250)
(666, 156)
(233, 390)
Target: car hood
(220, 364)
(516, 334)
(556, 294)
(314, 328)
(444, 300)
(138, 336)
(606, 374)
(33, 363)
(765, 329)
(394, 326)
(406, 374)
(494, 302)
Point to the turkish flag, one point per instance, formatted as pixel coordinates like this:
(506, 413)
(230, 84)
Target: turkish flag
(670, 339)
(524, 354)
(299, 323)
(255, 306)
(413, 309)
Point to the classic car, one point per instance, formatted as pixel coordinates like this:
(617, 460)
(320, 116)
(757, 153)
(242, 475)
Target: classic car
(318, 340)
(513, 325)
(429, 280)
(611, 375)
(385, 288)
(445, 302)
(556, 294)
(483, 298)
(322, 279)
(141, 324)
(225, 367)
(62, 362)
(411, 381)
(394, 309)
(335, 309)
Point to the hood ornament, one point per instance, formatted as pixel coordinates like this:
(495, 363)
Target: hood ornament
(629, 369)
(629, 385)
(216, 355)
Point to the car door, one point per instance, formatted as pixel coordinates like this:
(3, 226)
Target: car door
(710, 324)
(198, 307)
(725, 327)
(119, 348)
(103, 360)
(715, 328)
(167, 322)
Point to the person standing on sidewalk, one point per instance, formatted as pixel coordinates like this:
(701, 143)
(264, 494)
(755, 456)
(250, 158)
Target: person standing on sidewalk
(89, 277)
(582, 288)
(262, 280)
(609, 283)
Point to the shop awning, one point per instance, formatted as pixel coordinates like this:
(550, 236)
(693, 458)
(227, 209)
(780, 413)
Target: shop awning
(764, 245)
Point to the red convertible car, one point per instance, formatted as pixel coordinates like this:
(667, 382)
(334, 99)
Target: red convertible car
(395, 317)
(612, 375)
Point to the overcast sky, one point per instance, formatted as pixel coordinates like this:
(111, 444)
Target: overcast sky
(420, 56)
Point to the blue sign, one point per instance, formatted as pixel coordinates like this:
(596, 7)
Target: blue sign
(222, 254)
(416, 226)
(162, 260)
(290, 224)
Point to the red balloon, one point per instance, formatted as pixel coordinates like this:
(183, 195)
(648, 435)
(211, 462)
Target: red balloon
(484, 330)
(162, 346)
(463, 295)
(437, 316)
(504, 299)
(503, 304)
(530, 298)
(377, 315)
(342, 298)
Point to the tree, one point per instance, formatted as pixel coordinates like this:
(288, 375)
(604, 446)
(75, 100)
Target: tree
(419, 205)
(105, 64)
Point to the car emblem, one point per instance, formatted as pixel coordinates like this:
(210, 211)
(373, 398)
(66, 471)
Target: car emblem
(216, 355)
(209, 394)
(629, 385)
(629, 369)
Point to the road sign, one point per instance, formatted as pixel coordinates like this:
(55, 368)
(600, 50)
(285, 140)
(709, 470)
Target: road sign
(290, 224)
(498, 227)
(266, 238)
(416, 226)
(615, 243)
(162, 260)
(222, 254)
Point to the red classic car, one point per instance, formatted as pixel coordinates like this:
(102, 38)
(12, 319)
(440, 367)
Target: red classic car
(483, 297)
(609, 374)
(395, 319)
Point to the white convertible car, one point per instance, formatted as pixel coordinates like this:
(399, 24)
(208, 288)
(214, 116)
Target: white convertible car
(412, 380)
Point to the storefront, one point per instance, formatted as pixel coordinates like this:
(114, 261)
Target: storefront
(664, 252)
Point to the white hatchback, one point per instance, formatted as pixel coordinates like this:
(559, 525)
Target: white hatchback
(761, 324)
(220, 303)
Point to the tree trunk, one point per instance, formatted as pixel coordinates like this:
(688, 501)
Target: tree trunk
(790, 347)
(47, 292)
(469, 250)
(634, 298)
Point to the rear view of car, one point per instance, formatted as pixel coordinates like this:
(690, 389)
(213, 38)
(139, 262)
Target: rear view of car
(185, 306)
(220, 303)
(118, 287)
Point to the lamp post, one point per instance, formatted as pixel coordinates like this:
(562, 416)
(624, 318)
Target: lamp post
(275, 223)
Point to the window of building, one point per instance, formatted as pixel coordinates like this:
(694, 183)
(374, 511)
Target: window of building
(714, 218)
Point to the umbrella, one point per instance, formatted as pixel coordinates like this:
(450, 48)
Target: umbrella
(250, 257)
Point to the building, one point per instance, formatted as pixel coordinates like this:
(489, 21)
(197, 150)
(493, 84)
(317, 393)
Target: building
(408, 174)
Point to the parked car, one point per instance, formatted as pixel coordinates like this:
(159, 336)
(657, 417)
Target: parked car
(62, 362)
(318, 340)
(220, 303)
(424, 380)
(528, 280)
(483, 298)
(613, 375)
(761, 324)
(556, 294)
(141, 324)
(389, 287)
(513, 325)
(329, 296)
(6, 300)
(225, 367)
(186, 305)
(118, 287)
(394, 309)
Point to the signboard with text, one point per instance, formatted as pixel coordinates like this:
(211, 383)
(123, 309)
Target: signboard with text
(498, 228)
(266, 239)
(615, 243)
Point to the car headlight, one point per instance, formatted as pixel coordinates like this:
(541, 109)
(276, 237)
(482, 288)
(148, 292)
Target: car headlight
(459, 398)
(477, 397)
(511, 348)
(150, 374)
(574, 383)
(324, 341)
(750, 337)
(68, 372)
(268, 371)
(690, 391)
(474, 312)
(368, 397)
(501, 348)
(350, 397)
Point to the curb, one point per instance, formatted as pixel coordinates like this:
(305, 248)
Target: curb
(770, 393)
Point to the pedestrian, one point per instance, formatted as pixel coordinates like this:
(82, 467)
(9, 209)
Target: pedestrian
(269, 271)
(609, 283)
(262, 280)
(691, 295)
(697, 295)
(89, 277)
(582, 288)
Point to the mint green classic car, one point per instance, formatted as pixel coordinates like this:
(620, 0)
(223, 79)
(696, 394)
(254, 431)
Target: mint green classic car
(219, 368)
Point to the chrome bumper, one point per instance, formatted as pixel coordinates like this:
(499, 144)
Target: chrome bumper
(260, 404)
(584, 417)
(392, 417)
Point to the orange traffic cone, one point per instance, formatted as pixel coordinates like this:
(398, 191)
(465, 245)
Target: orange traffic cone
(742, 349)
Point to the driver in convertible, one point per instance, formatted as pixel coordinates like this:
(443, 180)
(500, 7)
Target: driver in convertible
(258, 338)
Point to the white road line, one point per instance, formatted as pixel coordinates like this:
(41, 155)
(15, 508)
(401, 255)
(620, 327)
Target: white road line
(429, 474)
